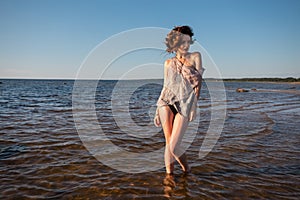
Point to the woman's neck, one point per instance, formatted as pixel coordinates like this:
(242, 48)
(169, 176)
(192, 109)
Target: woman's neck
(181, 56)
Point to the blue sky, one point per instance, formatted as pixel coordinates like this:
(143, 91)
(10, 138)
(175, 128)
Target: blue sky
(51, 38)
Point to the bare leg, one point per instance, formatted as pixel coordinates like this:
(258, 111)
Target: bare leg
(166, 118)
(179, 127)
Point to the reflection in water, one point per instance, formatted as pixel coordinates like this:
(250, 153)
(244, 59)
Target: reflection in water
(169, 185)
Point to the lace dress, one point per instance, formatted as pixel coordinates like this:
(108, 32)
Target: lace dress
(179, 87)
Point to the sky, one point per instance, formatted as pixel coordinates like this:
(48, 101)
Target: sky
(53, 38)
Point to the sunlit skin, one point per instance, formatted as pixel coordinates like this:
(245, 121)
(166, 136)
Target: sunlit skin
(173, 130)
(189, 59)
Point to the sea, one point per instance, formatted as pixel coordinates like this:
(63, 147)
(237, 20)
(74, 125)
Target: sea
(44, 153)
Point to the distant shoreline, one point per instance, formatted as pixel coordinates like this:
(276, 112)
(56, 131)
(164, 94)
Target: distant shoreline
(260, 80)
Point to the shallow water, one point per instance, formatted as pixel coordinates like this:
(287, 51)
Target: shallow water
(42, 157)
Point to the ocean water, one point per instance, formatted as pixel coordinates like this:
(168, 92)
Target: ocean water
(42, 155)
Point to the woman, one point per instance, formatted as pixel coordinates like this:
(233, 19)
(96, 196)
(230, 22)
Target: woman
(177, 103)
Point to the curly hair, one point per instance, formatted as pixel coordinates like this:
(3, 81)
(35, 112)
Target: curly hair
(173, 38)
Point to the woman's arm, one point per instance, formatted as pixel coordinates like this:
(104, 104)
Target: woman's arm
(198, 65)
(166, 65)
(157, 122)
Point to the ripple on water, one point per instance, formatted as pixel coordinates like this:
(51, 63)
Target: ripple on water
(42, 156)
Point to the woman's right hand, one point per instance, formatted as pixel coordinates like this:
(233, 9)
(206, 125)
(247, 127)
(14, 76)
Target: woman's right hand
(157, 122)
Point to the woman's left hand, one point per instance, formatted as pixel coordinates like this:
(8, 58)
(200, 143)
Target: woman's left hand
(197, 91)
(193, 114)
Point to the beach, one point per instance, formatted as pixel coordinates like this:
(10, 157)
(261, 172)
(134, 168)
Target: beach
(43, 157)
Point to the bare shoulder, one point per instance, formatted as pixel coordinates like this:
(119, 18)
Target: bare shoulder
(196, 55)
(196, 58)
(168, 62)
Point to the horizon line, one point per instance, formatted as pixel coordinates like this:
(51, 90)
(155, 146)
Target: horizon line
(93, 79)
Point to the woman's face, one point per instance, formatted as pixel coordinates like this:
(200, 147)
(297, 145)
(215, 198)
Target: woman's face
(184, 44)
